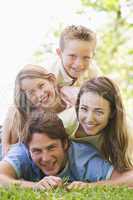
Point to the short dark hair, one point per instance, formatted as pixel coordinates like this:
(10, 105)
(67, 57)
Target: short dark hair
(47, 123)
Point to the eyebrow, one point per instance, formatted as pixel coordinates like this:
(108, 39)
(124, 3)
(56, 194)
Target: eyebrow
(96, 108)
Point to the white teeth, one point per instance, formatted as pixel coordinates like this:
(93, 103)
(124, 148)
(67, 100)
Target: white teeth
(90, 126)
(44, 99)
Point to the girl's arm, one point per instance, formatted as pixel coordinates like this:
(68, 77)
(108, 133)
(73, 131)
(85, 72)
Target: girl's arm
(9, 134)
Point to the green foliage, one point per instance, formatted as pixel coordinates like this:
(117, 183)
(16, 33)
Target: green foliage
(111, 5)
(114, 54)
(93, 193)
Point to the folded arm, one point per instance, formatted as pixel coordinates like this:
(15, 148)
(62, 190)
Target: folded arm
(8, 177)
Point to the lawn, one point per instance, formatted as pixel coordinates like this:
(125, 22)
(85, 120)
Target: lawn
(94, 193)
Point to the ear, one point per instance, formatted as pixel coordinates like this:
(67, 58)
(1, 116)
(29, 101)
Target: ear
(58, 51)
(65, 145)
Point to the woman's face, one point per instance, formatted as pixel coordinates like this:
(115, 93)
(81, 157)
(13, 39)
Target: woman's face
(40, 92)
(94, 113)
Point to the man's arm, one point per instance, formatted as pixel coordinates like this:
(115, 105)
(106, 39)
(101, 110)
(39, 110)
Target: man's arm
(8, 177)
(116, 179)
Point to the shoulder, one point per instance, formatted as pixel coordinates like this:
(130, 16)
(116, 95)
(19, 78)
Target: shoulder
(87, 164)
(18, 151)
(70, 123)
(18, 158)
(83, 150)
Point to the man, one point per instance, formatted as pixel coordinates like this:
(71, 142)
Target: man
(46, 157)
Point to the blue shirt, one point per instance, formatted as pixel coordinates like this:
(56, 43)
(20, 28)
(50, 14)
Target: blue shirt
(84, 164)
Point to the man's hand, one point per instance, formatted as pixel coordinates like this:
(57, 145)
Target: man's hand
(49, 182)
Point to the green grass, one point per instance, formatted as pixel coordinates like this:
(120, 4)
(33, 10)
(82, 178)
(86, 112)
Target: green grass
(94, 193)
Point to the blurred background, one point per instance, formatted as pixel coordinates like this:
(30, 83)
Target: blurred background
(30, 32)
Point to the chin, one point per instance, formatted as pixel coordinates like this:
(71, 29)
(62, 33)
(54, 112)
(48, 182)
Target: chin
(73, 76)
(51, 173)
(90, 132)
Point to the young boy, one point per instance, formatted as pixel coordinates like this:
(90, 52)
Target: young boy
(75, 53)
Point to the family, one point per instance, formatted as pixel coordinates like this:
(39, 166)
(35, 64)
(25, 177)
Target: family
(66, 121)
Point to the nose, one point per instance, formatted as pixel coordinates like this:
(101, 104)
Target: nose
(79, 63)
(89, 118)
(39, 94)
(45, 156)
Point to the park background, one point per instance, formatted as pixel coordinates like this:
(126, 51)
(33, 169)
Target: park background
(30, 31)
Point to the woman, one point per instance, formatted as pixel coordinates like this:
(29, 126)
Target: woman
(35, 88)
(102, 122)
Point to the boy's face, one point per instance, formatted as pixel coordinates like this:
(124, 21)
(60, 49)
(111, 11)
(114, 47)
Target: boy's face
(76, 56)
(48, 154)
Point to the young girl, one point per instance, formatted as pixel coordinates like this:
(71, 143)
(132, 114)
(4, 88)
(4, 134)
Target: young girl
(102, 122)
(35, 88)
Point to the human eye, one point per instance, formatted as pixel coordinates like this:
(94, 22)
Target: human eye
(35, 151)
(83, 108)
(99, 112)
(51, 147)
(87, 58)
(41, 85)
(30, 93)
(72, 56)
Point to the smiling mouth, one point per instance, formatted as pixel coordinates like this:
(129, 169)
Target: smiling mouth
(49, 167)
(77, 71)
(90, 126)
(44, 99)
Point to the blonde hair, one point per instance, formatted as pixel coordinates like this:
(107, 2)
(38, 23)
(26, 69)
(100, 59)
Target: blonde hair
(76, 33)
(29, 72)
(18, 115)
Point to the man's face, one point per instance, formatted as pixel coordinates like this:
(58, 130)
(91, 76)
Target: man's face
(76, 57)
(48, 154)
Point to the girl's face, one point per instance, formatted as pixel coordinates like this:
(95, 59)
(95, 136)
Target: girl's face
(40, 92)
(94, 113)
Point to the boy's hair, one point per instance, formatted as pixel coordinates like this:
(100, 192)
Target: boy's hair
(47, 123)
(76, 33)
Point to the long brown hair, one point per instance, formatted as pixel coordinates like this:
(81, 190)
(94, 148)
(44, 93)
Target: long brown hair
(116, 138)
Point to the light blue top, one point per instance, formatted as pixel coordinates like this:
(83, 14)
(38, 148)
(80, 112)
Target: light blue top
(84, 164)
